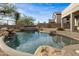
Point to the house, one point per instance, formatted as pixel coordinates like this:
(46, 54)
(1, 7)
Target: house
(70, 17)
(57, 17)
(55, 21)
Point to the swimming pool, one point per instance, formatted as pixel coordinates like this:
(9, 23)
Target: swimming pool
(30, 41)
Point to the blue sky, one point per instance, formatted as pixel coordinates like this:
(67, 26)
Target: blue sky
(42, 12)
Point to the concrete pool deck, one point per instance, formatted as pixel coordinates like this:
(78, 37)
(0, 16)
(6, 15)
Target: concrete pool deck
(71, 50)
(2, 53)
(74, 35)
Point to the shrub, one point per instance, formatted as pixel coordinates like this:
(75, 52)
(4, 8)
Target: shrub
(60, 29)
(52, 33)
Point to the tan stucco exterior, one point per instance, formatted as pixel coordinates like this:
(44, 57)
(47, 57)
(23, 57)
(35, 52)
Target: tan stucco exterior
(57, 17)
(71, 13)
(70, 9)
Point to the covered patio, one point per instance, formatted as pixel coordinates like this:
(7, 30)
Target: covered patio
(70, 17)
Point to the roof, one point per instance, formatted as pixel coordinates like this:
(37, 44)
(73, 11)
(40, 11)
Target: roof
(57, 13)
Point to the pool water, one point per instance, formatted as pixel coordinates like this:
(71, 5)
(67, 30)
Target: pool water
(30, 41)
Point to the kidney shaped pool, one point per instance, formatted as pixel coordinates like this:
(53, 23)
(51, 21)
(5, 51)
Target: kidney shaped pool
(30, 41)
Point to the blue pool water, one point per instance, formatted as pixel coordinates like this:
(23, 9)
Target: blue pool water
(30, 41)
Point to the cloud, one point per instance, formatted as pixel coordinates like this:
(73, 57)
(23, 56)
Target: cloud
(21, 11)
(40, 11)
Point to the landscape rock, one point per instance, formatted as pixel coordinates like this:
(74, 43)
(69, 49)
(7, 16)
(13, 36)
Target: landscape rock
(48, 51)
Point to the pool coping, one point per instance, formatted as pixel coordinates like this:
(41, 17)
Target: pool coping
(62, 34)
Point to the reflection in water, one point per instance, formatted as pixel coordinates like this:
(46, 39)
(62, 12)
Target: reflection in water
(12, 41)
(30, 41)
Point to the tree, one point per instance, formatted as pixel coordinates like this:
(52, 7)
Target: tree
(26, 20)
(9, 10)
(17, 16)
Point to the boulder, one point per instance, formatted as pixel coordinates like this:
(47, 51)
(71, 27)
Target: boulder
(4, 28)
(48, 51)
(5, 33)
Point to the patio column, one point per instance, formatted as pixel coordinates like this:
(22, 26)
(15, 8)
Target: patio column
(72, 22)
(62, 23)
(76, 22)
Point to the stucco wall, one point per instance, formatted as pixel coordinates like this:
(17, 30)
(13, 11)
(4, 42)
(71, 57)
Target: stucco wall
(57, 18)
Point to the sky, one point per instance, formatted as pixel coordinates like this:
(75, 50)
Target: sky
(41, 12)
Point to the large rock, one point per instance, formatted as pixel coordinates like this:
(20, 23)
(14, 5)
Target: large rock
(48, 51)
(5, 33)
(4, 29)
